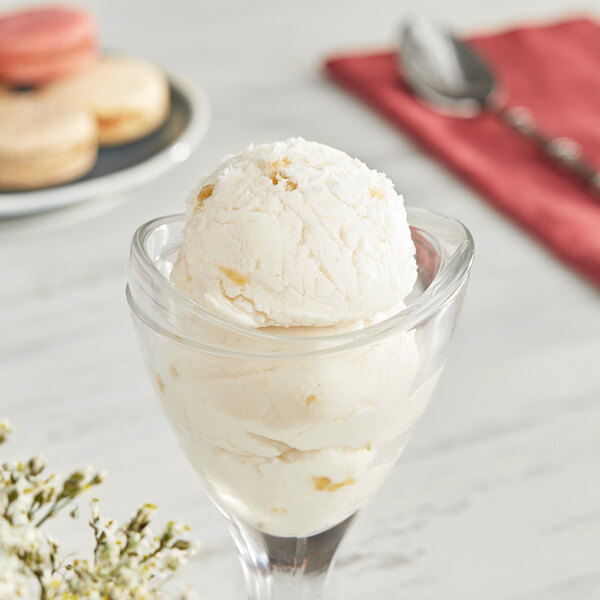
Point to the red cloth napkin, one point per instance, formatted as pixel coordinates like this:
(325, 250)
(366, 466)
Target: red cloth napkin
(554, 71)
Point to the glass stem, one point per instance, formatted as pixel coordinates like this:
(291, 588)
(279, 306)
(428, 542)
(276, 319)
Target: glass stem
(282, 568)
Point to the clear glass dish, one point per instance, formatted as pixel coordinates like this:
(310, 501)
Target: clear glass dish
(293, 433)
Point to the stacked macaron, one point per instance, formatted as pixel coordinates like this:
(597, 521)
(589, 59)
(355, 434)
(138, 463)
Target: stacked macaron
(60, 100)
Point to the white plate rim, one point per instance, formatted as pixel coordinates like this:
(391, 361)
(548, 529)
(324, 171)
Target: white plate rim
(27, 203)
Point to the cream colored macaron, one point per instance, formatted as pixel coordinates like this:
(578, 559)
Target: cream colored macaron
(42, 142)
(129, 96)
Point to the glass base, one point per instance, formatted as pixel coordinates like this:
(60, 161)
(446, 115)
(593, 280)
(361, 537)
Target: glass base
(282, 568)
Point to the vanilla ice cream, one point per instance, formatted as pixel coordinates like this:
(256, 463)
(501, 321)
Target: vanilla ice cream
(297, 239)
(296, 233)
(295, 446)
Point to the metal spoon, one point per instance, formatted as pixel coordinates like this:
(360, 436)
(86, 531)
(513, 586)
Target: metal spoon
(448, 73)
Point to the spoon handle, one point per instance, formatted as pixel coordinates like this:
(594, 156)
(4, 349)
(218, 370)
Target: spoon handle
(564, 151)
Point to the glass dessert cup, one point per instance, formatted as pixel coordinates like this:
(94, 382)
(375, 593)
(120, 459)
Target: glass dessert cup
(294, 432)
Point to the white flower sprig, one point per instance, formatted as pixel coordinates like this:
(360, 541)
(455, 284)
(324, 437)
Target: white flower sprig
(128, 562)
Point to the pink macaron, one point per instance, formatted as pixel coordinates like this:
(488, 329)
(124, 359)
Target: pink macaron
(39, 45)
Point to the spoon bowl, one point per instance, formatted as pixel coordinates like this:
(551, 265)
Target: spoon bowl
(444, 70)
(452, 79)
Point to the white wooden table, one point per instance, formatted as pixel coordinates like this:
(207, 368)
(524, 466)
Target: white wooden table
(498, 495)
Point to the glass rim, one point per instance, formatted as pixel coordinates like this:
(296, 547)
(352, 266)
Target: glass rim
(450, 278)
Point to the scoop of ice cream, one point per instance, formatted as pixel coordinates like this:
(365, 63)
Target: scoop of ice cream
(293, 447)
(296, 233)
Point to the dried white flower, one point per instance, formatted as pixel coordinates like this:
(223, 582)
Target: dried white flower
(128, 562)
(5, 430)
